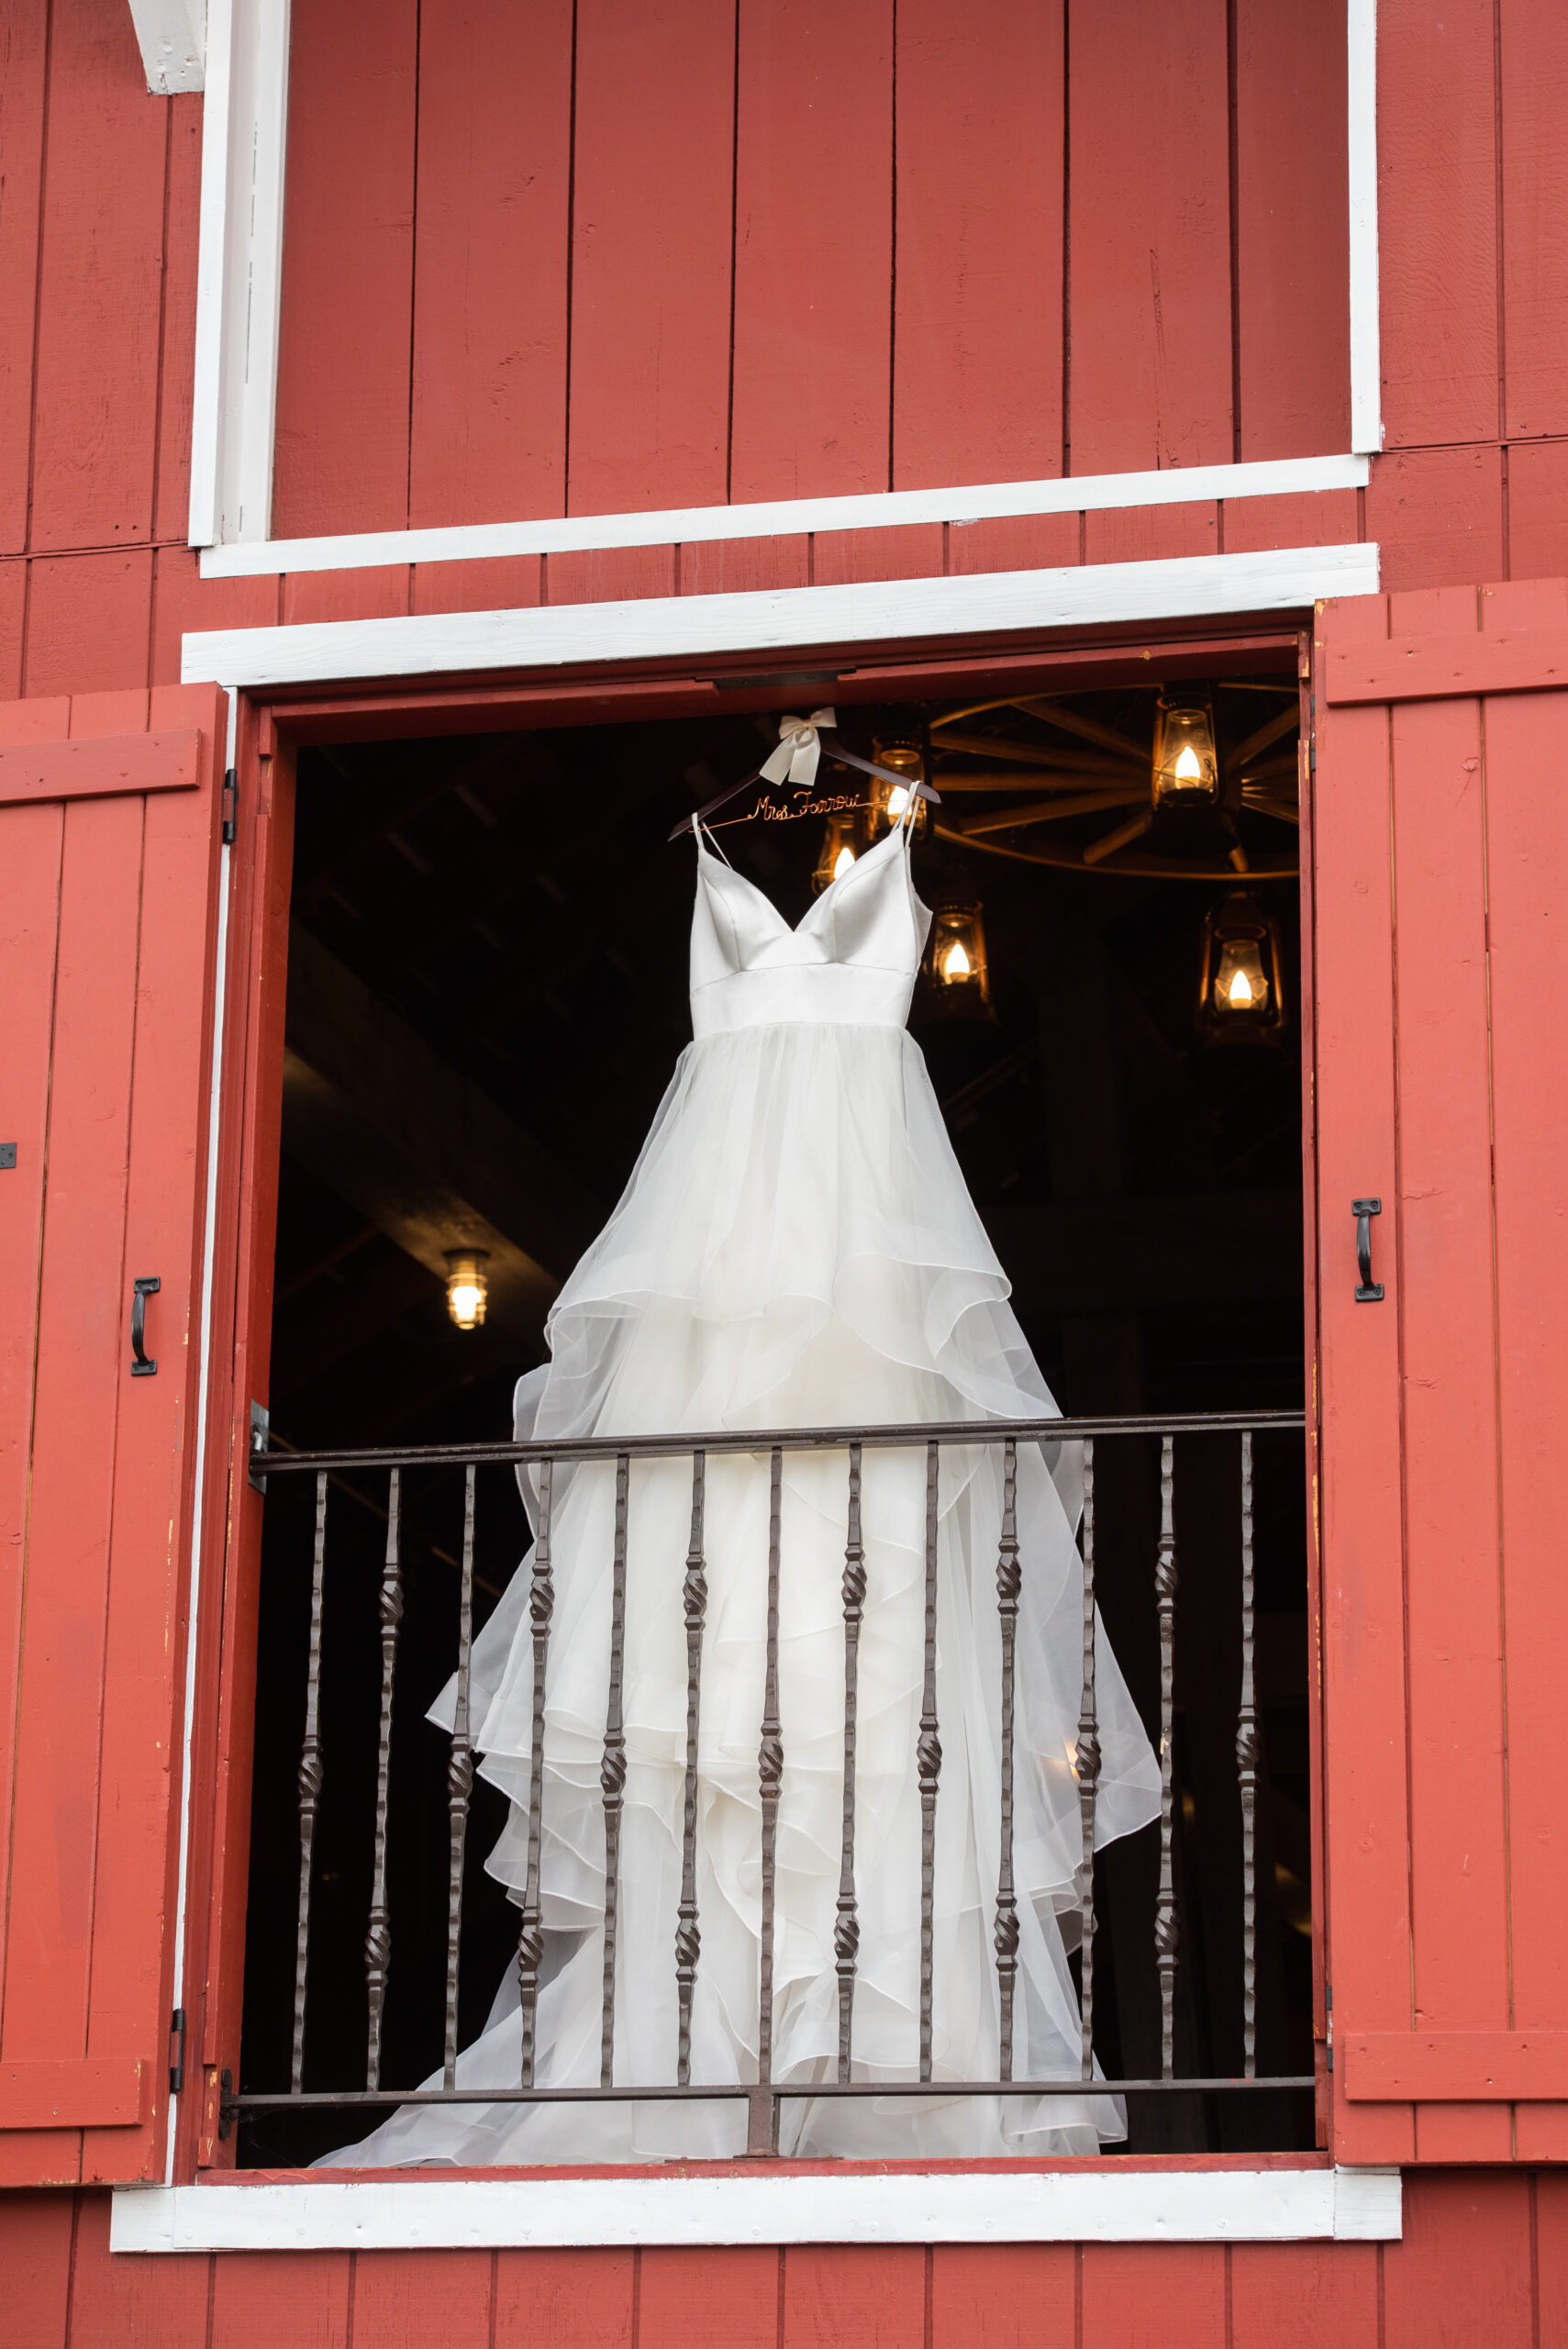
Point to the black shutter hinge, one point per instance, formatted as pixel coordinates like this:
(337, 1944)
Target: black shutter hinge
(177, 2051)
(231, 805)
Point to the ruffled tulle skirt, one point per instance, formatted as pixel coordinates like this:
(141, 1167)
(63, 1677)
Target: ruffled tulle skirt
(797, 1248)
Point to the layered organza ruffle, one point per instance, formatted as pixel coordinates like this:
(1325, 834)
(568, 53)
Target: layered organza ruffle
(795, 1248)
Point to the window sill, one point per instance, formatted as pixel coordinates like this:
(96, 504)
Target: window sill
(1243, 2198)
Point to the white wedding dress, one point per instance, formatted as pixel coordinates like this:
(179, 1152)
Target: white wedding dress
(796, 1247)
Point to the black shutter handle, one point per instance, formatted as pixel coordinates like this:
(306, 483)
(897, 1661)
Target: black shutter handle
(140, 1368)
(1368, 1291)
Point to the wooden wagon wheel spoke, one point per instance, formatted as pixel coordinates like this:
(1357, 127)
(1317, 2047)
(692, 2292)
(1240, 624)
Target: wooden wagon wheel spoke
(1264, 736)
(1041, 755)
(1034, 779)
(1073, 721)
(1048, 811)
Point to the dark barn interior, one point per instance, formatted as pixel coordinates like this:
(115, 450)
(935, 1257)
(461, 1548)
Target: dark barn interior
(487, 994)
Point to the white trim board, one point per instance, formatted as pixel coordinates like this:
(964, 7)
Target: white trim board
(1085, 2205)
(788, 516)
(245, 137)
(783, 619)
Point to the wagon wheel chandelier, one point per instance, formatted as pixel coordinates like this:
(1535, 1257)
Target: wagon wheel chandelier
(1177, 782)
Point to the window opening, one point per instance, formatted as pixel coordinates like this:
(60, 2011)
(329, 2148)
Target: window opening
(486, 997)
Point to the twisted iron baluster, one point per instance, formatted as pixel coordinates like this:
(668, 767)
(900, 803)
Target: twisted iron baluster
(530, 1941)
(309, 1783)
(1165, 1928)
(378, 1933)
(1087, 1766)
(763, 2114)
(1248, 1756)
(1009, 1579)
(612, 1778)
(460, 1778)
(689, 1941)
(929, 1758)
(846, 1928)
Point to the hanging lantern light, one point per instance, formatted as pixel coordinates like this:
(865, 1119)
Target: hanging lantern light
(905, 754)
(1186, 765)
(845, 836)
(956, 972)
(468, 1285)
(1240, 997)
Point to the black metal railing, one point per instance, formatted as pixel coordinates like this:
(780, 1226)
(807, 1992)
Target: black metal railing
(765, 2094)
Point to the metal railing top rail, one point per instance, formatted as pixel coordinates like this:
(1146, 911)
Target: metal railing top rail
(265, 1463)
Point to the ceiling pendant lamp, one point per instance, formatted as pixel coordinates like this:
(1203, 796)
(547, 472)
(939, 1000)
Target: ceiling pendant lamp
(1186, 763)
(904, 755)
(957, 976)
(468, 1285)
(1240, 998)
(844, 838)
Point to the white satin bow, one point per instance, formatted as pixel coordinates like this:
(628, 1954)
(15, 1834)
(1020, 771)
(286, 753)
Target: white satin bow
(799, 750)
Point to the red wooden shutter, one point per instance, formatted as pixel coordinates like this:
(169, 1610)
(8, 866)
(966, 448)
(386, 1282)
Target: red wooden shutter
(1442, 891)
(109, 839)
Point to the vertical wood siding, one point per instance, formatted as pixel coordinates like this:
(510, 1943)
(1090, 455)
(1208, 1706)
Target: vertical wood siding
(1442, 981)
(1483, 2261)
(545, 260)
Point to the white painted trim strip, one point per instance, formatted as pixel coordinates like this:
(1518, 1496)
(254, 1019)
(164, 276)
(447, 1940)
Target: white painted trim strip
(172, 36)
(239, 270)
(1087, 2205)
(788, 517)
(1366, 358)
(766, 620)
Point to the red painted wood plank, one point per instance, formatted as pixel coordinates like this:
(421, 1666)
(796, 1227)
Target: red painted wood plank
(834, 2293)
(1437, 517)
(1552, 2257)
(1304, 2296)
(1007, 2295)
(1538, 510)
(572, 2299)
(1425, 666)
(720, 566)
(488, 434)
(913, 551)
(134, 1890)
(35, 2259)
(1367, 1829)
(172, 494)
(74, 2092)
(499, 584)
(1533, 46)
(23, 43)
(708, 2300)
(609, 574)
(1150, 533)
(813, 249)
(1451, 2066)
(89, 622)
(1292, 230)
(652, 203)
(260, 2300)
(82, 770)
(96, 404)
(1151, 240)
(12, 601)
(181, 599)
(31, 843)
(1461, 2271)
(378, 594)
(1321, 518)
(1527, 864)
(1153, 2295)
(978, 318)
(1014, 542)
(133, 2301)
(1457, 1699)
(346, 318)
(1437, 223)
(422, 2299)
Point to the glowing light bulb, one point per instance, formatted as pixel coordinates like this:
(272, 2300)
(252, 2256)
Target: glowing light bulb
(843, 862)
(468, 1285)
(464, 1303)
(1241, 988)
(1187, 768)
(897, 800)
(955, 961)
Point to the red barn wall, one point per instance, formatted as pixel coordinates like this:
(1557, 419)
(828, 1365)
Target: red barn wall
(1484, 2264)
(527, 276)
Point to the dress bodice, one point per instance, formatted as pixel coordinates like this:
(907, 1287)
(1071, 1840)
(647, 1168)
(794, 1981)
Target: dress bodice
(851, 962)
